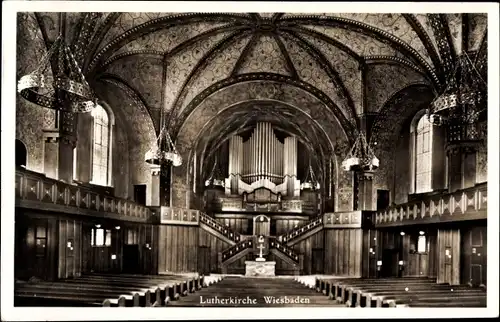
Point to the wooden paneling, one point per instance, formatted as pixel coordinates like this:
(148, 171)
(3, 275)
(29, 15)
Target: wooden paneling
(178, 249)
(343, 250)
(369, 254)
(30, 261)
(215, 246)
(448, 248)
(239, 225)
(474, 254)
(433, 253)
(305, 247)
(286, 225)
(404, 248)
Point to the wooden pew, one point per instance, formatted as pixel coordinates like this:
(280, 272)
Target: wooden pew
(375, 298)
(114, 290)
(121, 290)
(341, 289)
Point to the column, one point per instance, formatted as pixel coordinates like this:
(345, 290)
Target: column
(153, 189)
(365, 190)
(59, 141)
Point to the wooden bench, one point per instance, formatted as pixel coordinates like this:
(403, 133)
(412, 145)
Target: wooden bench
(400, 292)
(108, 290)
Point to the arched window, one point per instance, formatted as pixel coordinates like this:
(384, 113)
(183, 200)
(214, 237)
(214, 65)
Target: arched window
(423, 155)
(422, 141)
(21, 154)
(101, 146)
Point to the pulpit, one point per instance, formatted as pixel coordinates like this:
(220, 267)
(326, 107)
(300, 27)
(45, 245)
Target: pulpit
(260, 267)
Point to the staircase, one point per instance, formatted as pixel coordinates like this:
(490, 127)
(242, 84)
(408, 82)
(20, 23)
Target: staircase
(284, 252)
(215, 228)
(300, 233)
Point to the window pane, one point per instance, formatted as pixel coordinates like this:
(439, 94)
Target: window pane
(423, 156)
(108, 237)
(97, 134)
(425, 138)
(104, 138)
(41, 232)
(101, 146)
(92, 237)
(421, 247)
(99, 240)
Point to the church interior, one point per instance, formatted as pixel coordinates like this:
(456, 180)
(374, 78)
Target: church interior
(340, 158)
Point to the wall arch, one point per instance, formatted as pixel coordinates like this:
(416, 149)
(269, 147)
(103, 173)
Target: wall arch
(284, 93)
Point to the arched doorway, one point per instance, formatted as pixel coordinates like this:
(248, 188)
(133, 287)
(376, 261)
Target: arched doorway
(21, 154)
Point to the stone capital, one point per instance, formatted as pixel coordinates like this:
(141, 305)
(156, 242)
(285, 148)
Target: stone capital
(155, 169)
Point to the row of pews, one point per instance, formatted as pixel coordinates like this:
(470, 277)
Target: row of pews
(399, 292)
(110, 290)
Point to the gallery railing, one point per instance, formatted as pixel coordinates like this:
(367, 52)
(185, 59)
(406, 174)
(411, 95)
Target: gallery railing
(36, 191)
(465, 204)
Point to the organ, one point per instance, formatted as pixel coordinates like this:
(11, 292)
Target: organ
(263, 161)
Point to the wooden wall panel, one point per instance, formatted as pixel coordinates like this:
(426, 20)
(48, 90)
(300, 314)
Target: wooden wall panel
(239, 225)
(285, 225)
(433, 252)
(305, 249)
(70, 257)
(180, 248)
(404, 247)
(370, 253)
(214, 245)
(343, 251)
(448, 241)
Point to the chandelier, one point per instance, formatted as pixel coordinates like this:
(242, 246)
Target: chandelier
(164, 152)
(310, 182)
(360, 157)
(463, 98)
(216, 179)
(40, 86)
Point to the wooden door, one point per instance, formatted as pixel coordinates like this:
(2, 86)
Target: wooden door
(390, 258)
(474, 257)
(131, 260)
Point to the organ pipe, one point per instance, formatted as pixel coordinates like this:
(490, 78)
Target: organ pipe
(263, 156)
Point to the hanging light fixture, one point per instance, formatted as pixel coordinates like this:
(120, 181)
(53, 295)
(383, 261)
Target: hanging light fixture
(216, 179)
(40, 86)
(310, 182)
(360, 157)
(164, 152)
(464, 97)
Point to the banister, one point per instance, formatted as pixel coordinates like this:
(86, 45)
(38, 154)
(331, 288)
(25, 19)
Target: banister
(214, 224)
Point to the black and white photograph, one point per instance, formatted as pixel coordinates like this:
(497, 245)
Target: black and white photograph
(217, 158)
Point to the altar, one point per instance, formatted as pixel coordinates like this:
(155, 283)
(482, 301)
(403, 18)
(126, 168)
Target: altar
(259, 268)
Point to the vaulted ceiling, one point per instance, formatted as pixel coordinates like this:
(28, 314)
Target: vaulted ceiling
(349, 63)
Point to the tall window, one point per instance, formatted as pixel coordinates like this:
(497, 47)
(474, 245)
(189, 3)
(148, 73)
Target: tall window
(423, 155)
(101, 144)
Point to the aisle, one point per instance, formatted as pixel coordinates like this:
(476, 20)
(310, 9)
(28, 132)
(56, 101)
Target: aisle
(256, 292)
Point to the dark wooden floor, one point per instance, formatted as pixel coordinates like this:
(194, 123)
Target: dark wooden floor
(258, 289)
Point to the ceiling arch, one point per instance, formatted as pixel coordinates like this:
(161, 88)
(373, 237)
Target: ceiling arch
(268, 86)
